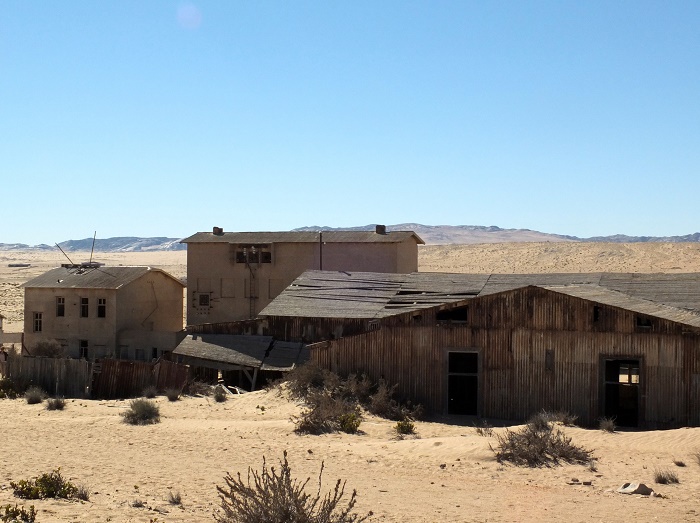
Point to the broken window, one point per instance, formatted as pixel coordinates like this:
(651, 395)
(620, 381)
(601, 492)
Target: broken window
(102, 307)
(60, 306)
(253, 254)
(643, 322)
(83, 349)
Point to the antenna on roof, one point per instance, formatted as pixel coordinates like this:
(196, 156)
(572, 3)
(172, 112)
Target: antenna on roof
(93, 247)
(64, 254)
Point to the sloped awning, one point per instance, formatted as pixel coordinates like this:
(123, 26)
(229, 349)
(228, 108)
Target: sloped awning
(230, 352)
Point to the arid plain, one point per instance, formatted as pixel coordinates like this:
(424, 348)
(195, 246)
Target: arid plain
(447, 474)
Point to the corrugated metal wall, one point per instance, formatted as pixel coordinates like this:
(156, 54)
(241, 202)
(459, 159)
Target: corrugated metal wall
(512, 332)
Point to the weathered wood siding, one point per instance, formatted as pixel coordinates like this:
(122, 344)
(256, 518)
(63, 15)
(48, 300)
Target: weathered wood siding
(69, 378)
(512, 332)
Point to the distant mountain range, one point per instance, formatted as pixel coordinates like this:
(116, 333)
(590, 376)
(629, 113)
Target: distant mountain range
(431, 234)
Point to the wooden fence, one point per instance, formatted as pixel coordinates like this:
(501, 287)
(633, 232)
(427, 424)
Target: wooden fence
(104, 379)
(59, 377)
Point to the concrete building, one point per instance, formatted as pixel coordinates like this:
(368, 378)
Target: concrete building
(98, 311)
(234, 275)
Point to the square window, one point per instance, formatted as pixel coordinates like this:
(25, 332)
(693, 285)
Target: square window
(204, 300)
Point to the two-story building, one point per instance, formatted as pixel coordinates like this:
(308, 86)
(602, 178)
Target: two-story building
(98, 311)
(234, 275)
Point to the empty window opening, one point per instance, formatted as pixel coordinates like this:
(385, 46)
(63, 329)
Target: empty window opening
(84, 302)
(253, 254)
(102, 307)
(456, 315)
(38, 321)
(643, 322)
(154, 353)
(462, 383)
(622, 381)
(204, 300)
(60, 306)
(83, 349)
(140, 355)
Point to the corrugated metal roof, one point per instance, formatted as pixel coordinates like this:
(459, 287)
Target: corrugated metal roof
(258, 352)
(91, 278)
(329, 294)
(255, 238)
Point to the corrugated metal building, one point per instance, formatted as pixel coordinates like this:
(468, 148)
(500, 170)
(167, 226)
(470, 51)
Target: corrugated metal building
(506, 346)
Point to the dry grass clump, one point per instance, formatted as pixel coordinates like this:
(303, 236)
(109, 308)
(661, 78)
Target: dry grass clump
(174, 498)
(665, 477)
(48, 485)
(142, 412)
(150, 392)
(405, 428)
(483, 428)
(273, 496)
(17, 514)
(539, 443)
(55, 404)
(607, 424)
(220, 395)
(34, 395)
(327, 413)
(172, 394)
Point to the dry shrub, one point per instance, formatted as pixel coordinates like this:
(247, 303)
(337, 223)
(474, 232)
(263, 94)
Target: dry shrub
(220, 395)
(560, 416)
(326, 413)
(607, 424)
(483, 428)
(172, 394)
(150, 392)
(142, 412)
(404, 428)
(665, 477)
(538, 444)
(174, 498)
(55, 404)
(48, 485)
(272, 496)
(34, 395)
(48, 349)
(8, 389)
(197, 388)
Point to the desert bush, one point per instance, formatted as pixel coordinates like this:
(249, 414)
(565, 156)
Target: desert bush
(48, 485)
(150, 392)
(83, 493)
(55, 404)
(483, 428)
(34, 395)
(538, 444)
(383, 404)
(172, 394)
(174, 498)
(142, 412)
(326, 413)
(560, 416)
(405, 428)
(359, 388)
(607, 424)
(220, 395)
(8, 389)
(272, 496)
(665, 477)
(16, 514)
(308, 378)
(48, 349)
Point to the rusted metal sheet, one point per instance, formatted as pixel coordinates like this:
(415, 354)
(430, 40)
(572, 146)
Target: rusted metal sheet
(170, 375)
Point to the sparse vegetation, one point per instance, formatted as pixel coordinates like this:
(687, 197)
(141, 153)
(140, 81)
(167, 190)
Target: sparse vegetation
(55, 404)
(48, 349)
(34, 395)
(17, 514)
(326, 413)
(404, 428)
(137, 503)
(272, 496)
(48, 485)
(665, 477)
(150, 392)
(197, 388)
(220, 395)
(537, 444)
(8, 389)
(560, 416)
(607, 424)
(142, 412)
(483, 428)
(174, 498)
(172, 394)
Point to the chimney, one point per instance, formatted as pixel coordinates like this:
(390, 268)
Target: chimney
(218, 231)
(380, 229)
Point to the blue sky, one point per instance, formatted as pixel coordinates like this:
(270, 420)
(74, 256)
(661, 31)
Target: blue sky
(164, 118)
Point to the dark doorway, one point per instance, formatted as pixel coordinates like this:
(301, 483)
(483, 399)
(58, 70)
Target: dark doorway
(463, 383)
(622, 392)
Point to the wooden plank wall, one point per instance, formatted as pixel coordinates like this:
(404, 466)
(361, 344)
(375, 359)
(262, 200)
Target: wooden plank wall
(128, 379)
(512, 332)
(69, 378)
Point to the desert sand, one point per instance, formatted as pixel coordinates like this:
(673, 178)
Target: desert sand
(448, 473)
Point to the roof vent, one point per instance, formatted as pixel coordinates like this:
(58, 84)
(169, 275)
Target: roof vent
(380, 229)
(218, 231)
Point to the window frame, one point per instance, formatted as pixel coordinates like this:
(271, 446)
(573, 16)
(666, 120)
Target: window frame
(101, 307)
(60, 306)
(84, 307)
(37, 321)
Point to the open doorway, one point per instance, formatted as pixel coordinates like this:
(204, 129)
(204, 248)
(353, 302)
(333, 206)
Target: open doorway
(621, 400)
(462, 383)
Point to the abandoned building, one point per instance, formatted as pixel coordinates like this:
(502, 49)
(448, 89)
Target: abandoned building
(625, 346)
(97, 311)
(234, 275)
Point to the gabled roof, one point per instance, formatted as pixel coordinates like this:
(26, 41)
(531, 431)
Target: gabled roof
(330, 294)
(91, 278)
(255, 238)
(258, 352)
